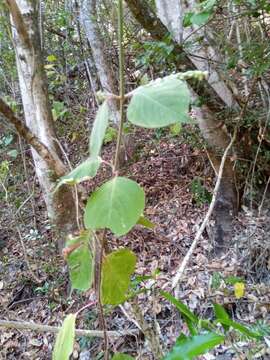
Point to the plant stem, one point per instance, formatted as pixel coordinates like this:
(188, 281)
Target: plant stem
(116, 163)
(121, 82)
(100, 306)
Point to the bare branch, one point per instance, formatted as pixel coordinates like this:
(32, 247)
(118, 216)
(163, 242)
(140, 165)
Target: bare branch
(24, 325)
(47, 155)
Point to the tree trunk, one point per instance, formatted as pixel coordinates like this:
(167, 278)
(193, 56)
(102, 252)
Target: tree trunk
(171, 14)
(216, 137)
(227, 201)
(88, 18)
(33, 85)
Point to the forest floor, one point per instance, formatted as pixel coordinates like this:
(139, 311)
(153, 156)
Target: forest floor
(166, 168)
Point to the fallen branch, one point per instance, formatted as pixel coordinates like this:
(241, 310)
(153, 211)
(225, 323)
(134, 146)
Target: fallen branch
(24, 325)
(182, 267)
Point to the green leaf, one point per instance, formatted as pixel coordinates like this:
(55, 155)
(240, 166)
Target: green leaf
(221, 314)
(99, 129)
(65, 339)
(51, 58)
(200, 18)
(80, 261)
(224, 319)
(110, 135)
(119, 356)
(181, 307)
(146, 223)
(208, 5)
(187, 19)
(116, 205)
(86, 170)
(117, 268)
(160, 103)
(175, 129)
(189, 348)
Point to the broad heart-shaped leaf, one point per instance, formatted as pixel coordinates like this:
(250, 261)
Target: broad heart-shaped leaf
(116, 205)
(86, 170)
(65, 339)
(161, 103)
(119, 356)
(99, 129)
(117, 268)
(80, 261)
(191, 347)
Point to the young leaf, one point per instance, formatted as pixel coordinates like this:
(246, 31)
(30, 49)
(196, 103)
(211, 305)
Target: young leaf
(191, 347)
(160, 103)
(116, 205)
(86, 170)
(51, 58)
(117, 268)
(65, 339)
(99, 129)
(146, 223)
(119, 356)
(80, 261)
(239, 290)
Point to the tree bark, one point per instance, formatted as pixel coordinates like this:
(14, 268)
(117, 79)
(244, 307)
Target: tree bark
(88, 18)
(33, 85)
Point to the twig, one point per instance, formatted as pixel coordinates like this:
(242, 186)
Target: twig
(181, 269)
(25, 325)
(49, 156)
(100, 249)
(121, 81)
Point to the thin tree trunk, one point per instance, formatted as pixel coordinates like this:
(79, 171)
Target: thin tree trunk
(88, 18)
(38, 116)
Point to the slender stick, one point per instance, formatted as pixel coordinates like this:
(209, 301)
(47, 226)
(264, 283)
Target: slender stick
(115, 165)
(100, 250)
(121, 81)
(23, 130)
(182, 267)
(25, 325)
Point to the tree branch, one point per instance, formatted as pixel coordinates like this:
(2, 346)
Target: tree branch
(47, 155)
(24, 325)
